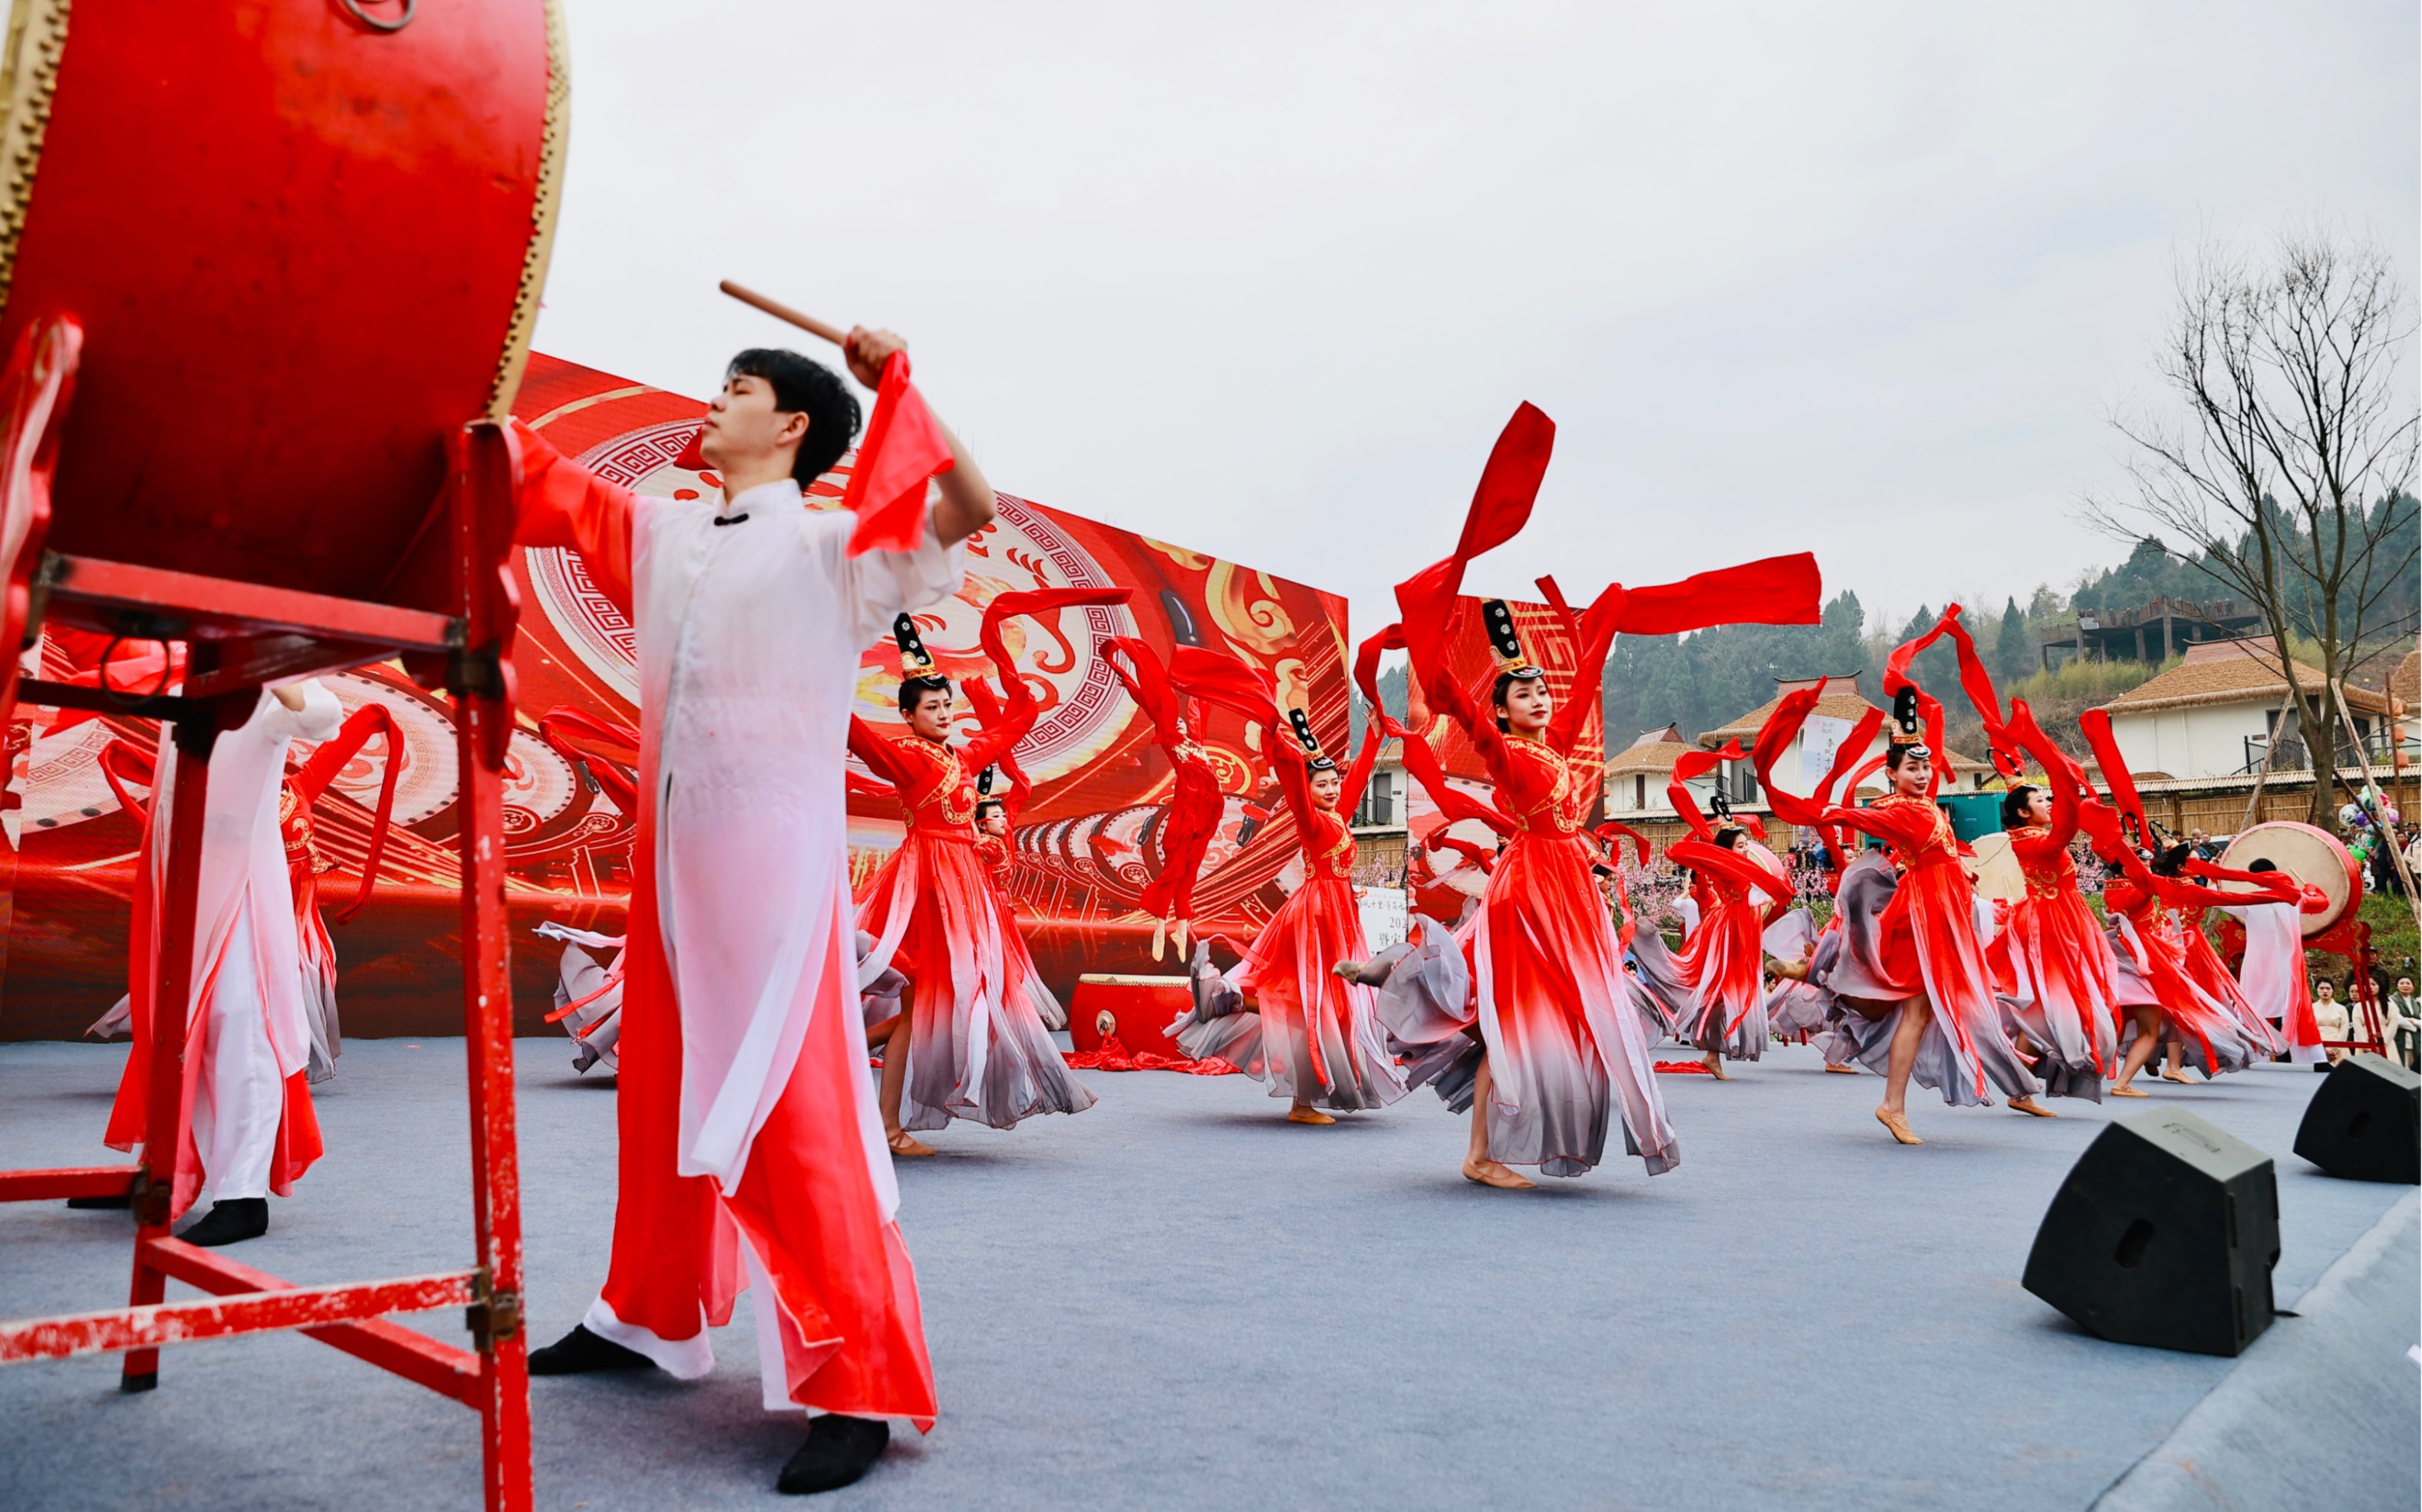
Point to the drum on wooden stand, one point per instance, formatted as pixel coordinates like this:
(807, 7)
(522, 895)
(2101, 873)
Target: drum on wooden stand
(265, 266)
(2312, 857)
(302, 242)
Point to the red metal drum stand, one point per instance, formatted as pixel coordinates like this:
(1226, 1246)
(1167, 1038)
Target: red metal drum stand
(239, 635)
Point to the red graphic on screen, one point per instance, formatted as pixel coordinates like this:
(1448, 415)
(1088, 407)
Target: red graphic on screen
(1086, 841)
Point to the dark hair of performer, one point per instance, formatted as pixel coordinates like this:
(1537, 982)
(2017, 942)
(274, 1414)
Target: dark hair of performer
(925, 703)
(2026, 804)
(1732, 838)
(780, 416)
(1524, 705)
(992, 818)
(809, 393)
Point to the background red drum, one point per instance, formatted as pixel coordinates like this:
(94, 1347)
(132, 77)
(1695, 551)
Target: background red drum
(1132, 1009)
(2312, 857)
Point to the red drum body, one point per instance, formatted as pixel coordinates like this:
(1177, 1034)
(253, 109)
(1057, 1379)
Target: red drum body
(2312, 857)
(303, 243)
(1133, 1010)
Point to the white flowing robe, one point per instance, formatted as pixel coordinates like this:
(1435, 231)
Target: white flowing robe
(247, 1020)
(749, 637)
(2273, 973)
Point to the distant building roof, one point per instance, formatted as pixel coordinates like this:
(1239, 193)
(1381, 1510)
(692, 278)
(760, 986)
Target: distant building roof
(1648, 756)
(2406, 681)
(2230, 671)
(1846, 704)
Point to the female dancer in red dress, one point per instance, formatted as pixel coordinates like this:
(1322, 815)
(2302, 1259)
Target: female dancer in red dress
(1314, 1035)
(2051, 961)
(969, 1042)
(996, 814)
(1803, 1003)
(2155, 909)
(1712, 992)
(1168, 694)
(2152, 902)
(2052, 956)
(1923, 998)
(1560, 1043)
(1563, 1045)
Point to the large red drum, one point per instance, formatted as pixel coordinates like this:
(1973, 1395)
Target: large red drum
(2312, 857)
(303, 239)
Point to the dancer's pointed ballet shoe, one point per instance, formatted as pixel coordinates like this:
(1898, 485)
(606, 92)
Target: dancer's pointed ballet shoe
(2028, 1105)
(2130, 1092)
(1715, 1065)
(1490, 1173)
(1160, 939)
(1308, 1115)
(1840, 1068)
(1348, 970)
(1897, 1125)
(903, 1143)
(1178, 933)
(2178, 1077)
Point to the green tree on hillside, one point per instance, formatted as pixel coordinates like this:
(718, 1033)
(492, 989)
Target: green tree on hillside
(2013, 654)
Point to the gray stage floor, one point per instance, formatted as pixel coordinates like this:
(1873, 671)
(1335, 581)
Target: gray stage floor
(1178, 1300)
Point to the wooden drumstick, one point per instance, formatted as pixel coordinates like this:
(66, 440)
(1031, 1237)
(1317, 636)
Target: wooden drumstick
(784, 312)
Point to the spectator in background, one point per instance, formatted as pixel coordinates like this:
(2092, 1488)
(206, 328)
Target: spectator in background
(2206, 848)
(2404, 1025)
(2330, 1017)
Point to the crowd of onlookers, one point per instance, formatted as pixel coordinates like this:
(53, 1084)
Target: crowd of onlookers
(2400, 1020)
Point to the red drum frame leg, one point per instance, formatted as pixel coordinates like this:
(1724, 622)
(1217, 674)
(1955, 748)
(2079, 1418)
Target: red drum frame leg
(238, 637)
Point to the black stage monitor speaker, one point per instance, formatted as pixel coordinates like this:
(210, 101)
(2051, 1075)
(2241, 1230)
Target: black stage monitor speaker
(2365, 1123)
(2165, 1234)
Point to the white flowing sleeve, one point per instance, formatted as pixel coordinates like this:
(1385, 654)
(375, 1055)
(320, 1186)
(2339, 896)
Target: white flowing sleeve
(319, 718)
(882, 585)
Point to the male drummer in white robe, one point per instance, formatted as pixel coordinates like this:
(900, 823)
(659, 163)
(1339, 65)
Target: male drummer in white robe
(249, 1130)
(748, 1132)
(2272, 976)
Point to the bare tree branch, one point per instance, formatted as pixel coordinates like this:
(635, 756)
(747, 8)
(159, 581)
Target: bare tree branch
(2282, 466)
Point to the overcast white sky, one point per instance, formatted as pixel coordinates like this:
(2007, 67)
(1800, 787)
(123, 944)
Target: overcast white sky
(1265, 279)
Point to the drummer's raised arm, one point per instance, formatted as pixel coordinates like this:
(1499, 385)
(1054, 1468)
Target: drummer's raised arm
(560, 503)
(966, 506)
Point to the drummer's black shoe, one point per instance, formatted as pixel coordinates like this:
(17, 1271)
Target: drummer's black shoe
(838, 1450)
(580, 1351)
(231, 1222)
(121, 1202)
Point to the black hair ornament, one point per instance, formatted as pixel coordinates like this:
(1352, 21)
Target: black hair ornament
(1907, 739)
(1506, 641)
(1314, 756)
(915, 660)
